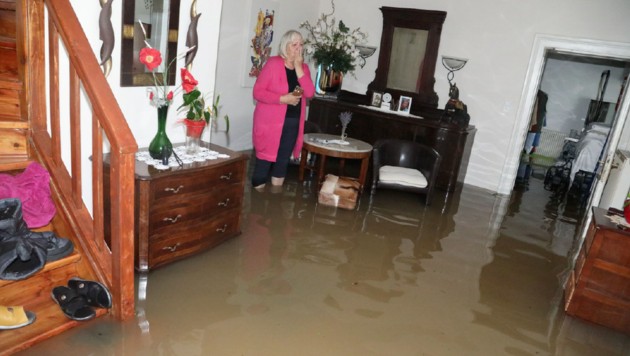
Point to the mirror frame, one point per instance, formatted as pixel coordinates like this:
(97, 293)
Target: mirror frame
(429, 20)
(127, 77)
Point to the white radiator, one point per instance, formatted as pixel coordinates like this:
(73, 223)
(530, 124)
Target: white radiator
(551, 143)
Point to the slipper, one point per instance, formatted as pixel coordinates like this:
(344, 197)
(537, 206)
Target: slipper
(96, 294)
(72, 304)
(15, 317)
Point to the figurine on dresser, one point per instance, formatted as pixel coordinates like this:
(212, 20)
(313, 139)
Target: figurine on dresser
(455, 110)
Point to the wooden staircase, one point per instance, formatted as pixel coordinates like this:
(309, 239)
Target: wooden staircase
(29, 132)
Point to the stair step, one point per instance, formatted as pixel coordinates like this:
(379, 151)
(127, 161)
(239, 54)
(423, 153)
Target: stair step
(7, 42)
(14, 143)
(38, 286)
(8, 64)
(10, 84)
(50, 322)
(13, 164)
(34, 293)
(7, 4)
(8, 22)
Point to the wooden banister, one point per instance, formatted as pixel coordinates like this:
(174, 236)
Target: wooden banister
(113, 264)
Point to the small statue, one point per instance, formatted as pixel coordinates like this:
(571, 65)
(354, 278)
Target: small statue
(455, 110)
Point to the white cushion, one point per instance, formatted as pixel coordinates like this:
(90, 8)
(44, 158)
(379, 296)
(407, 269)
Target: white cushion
(404, 176)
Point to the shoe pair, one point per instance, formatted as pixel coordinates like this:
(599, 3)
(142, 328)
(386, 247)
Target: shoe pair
(80, 297)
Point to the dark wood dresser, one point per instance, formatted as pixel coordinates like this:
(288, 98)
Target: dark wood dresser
(452, 142)
(184, 210)
(598, 289)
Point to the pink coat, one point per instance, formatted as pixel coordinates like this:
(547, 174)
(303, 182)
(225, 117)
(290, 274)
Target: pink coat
(269, 114)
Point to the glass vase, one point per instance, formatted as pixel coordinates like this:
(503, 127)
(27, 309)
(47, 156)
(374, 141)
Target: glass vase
(194, 129)
(161, 147)
(328, 81)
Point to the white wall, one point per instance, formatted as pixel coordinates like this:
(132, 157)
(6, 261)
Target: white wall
(570, 86)
(497, 37)
(141, 116)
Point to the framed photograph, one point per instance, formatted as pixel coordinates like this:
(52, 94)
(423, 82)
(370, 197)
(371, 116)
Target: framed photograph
(377, 98)
(404, 104)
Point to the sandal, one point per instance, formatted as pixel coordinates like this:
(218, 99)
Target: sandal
(96, 294)
(73, 305)
(15, 317)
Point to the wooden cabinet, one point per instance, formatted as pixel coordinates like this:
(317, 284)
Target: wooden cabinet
(452, 142)
(598, 289)
(184, 210)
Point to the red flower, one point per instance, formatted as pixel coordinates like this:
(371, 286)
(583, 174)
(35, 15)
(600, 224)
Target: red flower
(150, 57)
(188, 81)
(169, 96)
(150, 95)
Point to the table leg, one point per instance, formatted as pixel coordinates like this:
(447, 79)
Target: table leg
(365, 162)
(302, 164)
(322, 167)
(342, 166)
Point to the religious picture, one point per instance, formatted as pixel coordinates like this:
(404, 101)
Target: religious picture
(261, 42)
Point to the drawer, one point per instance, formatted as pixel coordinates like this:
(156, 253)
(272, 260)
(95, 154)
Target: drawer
(186, 183)
(194, 238)
(204, 226)
(196, 208)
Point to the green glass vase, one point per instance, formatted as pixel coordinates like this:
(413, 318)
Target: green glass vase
(161, 147)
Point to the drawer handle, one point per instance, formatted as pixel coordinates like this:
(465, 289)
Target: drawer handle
(174, 190)
(173, 220)
(171, 248)
(227, 176)
(224, 203)
(222, 229)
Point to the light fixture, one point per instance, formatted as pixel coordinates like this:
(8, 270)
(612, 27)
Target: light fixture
(453, 64)
(365, 52)
(455, 110)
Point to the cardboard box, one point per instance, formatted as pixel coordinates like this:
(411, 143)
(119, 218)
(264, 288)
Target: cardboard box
(339, 192)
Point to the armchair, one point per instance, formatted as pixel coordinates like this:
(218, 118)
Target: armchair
(405, 165)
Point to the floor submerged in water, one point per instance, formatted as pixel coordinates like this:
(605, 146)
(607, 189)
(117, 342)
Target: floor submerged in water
(473, 274)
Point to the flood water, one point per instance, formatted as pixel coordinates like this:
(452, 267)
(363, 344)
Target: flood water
(473, 274)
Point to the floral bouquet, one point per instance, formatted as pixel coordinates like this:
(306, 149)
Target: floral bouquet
(332, 43)
(161, 95)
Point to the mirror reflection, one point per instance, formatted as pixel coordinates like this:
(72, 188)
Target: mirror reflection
(160, 19)
(406, 62)
(406, 59)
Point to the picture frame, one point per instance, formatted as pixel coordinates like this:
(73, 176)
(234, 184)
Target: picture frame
(404, 104)
(377, 98)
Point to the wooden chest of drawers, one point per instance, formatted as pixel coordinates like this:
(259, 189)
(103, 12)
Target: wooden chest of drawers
(598, 289)
(185, 210)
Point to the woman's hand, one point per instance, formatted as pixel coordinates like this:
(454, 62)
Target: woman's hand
(290, 99)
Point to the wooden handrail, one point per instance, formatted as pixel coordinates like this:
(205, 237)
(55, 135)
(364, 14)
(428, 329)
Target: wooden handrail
(114, 264)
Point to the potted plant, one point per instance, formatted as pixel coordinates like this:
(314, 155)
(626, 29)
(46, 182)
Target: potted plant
(198, 115)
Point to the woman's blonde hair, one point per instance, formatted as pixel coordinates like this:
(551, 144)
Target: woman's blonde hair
(289, 37)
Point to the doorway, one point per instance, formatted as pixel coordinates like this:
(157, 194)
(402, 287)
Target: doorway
(564, 120)
(543, 45)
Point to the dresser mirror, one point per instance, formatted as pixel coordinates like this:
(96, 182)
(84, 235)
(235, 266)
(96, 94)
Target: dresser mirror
(160, 19)
(408, 55)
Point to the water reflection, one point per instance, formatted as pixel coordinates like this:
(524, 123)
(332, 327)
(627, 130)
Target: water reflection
(472, 274)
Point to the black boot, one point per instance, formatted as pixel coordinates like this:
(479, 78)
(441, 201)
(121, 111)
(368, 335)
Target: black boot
(23, 252)
(11, 222)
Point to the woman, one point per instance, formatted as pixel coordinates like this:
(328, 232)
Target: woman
(281, 90)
